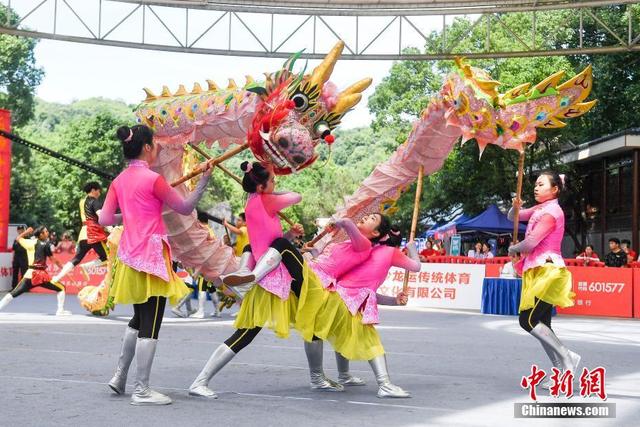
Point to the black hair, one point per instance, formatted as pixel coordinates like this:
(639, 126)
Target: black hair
(395, 237)
(38, 231)
(243, 216)
(254, 176)
(202, 216)
(614, 240)
(554, 179)
(133, 139)
(21, 227)
(589, 246)
(90, 186)
(383, 228)
(627, 241)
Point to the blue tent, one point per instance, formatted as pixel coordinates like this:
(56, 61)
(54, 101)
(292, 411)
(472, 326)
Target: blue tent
(490, 221)
(448, 226)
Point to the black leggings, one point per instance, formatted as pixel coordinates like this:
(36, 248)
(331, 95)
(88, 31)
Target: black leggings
(147, 317)
(541, 312)
(84, 247)
(293, 261)
(25, 285)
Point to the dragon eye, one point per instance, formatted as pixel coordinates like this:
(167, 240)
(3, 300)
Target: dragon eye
(322, 129)
(301, 101)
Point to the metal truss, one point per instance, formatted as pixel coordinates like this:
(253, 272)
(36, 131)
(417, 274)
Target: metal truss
(380, 30)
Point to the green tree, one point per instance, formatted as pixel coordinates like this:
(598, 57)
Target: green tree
(19, 75)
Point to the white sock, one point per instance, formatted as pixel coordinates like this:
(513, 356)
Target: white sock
(94, 263)
(60, 295)
(5, 301)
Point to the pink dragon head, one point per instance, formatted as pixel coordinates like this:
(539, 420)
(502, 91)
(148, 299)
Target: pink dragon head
(510, 119)
(297, 112)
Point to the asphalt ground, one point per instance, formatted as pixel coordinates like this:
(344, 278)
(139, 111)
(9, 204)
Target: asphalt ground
(462, 368)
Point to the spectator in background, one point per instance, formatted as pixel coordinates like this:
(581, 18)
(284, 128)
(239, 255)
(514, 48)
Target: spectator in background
(617, 257)
(476, 252)
(631, 254)
(66, 245)
(486, 250)
(588, 256)
(20, 262)
(508, 271)
(53, 239)
(240, 230)
(428, 251)
(440, 248)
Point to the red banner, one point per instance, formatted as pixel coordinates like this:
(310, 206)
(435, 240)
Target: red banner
(75, 280)
(5, 178)
(602, 291)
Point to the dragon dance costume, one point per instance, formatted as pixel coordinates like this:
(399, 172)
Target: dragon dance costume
(142, 273)
(546, 282)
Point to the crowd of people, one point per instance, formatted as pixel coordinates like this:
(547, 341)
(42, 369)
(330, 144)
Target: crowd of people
(620, 254)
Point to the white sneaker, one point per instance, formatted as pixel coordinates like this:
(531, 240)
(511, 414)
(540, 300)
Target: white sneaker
(63, 313)
(197, 315)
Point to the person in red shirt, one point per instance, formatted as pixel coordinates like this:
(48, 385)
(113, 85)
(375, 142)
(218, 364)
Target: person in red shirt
(428, 251)
(588, 256)
(439, 247)
(631, 254)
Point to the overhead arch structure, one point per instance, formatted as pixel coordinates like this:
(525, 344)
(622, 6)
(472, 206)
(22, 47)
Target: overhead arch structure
(376, 30)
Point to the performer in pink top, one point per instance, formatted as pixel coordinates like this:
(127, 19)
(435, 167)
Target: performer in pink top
(545, 280)
(288, 292)
(355, 304)
(142, 274)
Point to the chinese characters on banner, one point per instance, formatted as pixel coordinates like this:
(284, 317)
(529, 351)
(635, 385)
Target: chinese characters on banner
(6, 271)
(439, 285)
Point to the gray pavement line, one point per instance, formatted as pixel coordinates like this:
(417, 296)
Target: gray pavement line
(272, 396)
(202, 361)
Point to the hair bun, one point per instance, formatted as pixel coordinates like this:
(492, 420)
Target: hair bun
(244, 166)
(123, 133)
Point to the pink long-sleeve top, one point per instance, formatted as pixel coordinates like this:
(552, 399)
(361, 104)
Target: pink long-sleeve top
(140, 193)
(358, 287)
(543, 238)
(338, 258)
(263, 227)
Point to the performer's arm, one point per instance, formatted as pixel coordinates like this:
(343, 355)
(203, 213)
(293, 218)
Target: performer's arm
(542, 229)
(169, 196)
(275, 202)
(411, 262)
(107, 215)
(523, 216)
(359, 242)
(400, 299)
(232, 228)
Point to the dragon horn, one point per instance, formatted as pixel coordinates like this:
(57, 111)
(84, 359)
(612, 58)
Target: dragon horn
(346, 102)
(150, 95)
(323, 71)
(357, 87)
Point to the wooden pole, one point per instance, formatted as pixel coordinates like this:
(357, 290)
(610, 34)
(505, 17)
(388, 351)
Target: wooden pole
(213, 162)
(414, 222)
(233, 176)
(516, 208)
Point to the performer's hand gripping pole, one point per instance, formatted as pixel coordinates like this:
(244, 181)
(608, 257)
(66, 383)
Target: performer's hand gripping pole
(414, 222)
(230, 174)
(518, 200)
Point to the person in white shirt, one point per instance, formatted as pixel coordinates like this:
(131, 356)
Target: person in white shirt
(508, 270)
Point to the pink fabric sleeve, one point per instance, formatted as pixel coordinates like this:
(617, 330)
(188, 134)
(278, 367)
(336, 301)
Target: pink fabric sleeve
(358, 241)
(107, 215)
(541, 230)
(401, 260)
(523, 216)
(275, 202)
(169, 196)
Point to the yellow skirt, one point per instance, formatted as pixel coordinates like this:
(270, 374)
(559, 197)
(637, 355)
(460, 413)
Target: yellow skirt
(261, 308)
(346, 332)
(550, 283)
(131, 286)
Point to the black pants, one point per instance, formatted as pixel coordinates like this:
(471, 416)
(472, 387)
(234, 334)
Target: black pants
(147, 317)
(25, 285)
(84, 247)
(293, 261)
(20, 266)
(541, 312)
